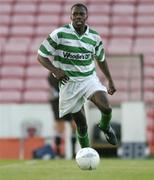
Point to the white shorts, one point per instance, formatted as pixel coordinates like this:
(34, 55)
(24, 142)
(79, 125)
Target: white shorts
(72, 95)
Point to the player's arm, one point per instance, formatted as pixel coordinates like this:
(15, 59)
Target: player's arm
(105, 69)
(102, 63)
(58, 73)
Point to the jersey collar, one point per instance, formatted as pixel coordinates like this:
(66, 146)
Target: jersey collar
(73, 29)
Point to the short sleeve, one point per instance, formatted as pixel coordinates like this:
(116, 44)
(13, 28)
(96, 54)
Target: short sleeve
(49, 45)
(99, 50)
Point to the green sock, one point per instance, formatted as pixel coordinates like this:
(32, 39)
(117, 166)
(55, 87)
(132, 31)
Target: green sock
(83, 140)
(105, 120)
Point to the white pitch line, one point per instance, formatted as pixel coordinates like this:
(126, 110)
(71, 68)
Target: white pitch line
(31, 162)
(10, 165)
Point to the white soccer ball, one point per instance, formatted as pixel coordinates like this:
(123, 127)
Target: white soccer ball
(87, 158)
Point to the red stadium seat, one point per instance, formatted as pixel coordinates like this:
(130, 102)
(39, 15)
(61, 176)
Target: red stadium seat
(122, 31)
(23, 19)
(4, 31)
(1, 51)
(33, 48)
(98, 8)
(50, 8)
(119, 65)
(14, 60)
(43, 31)
(36, 84)
(149, 72)
(120, 46)
(145, 31)
(149, 97)
(32, 55)
(121, 96)
(145, 1)
(150, 136)
(25, 41)
(82, 1)
(48, 19)
(125, 1)
(36, 72)
(7, 1)
(143, 45)
(11, 84)
(135, 84)
(97, 1)
(66, 7)
(135, 95)
(148, 84)
(145, 8)
(65, 19)
(136, 73)
(150, 113)
(25, 7)
(12, 72)
(16, 48)
(123, 20)
(32, 60)
(3, 40)
(104, 31)
(7, 96)
(5, 19)
(148, 60)
(22, 31)
(5, 8)
(123, 9)
(33, 96)
(99, 20)
(38, 40)
(121, 84)
(120, 73)
(145, 20)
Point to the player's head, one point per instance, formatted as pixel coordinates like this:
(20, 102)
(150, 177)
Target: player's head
(79, 15)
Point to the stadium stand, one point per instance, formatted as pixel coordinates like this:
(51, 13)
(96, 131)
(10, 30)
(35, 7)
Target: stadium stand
(127, 27)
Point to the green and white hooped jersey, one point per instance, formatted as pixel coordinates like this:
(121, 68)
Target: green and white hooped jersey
(73, 53)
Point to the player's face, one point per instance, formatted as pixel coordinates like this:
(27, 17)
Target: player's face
(79, 16)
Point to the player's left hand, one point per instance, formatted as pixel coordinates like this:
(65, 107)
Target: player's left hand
(111, 88)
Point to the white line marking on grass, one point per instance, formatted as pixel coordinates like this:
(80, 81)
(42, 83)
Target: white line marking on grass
(31, 162)
(10, 165)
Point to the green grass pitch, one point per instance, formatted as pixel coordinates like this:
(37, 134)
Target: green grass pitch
(109, 169)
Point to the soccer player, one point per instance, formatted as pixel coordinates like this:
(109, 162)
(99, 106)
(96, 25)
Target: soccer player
(74, 48)
(60, 122)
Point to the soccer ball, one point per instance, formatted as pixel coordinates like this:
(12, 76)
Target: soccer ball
(87, 158)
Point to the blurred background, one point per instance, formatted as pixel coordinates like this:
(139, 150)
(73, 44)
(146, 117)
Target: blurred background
(26, 119)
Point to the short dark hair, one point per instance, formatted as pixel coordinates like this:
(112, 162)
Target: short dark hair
(80, 5)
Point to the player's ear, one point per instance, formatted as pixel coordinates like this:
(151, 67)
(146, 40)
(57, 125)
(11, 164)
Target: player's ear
(71, 17)
(86, 16)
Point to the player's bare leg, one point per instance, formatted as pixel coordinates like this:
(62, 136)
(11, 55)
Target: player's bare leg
(81, 124)
(100, 100)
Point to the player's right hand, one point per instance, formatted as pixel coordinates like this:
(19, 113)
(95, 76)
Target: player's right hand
(61, 76)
